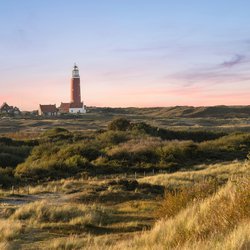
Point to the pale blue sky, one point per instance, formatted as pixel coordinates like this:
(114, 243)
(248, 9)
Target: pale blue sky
(130, 52)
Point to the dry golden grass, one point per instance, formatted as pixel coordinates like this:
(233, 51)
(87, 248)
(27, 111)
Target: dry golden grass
(42, 213)
(198, 216)
(238, 239)
(9, 230)
(221, 171)
(62, 186)
(176, 200)
(221, 221)
(213, 220)
(136, 145)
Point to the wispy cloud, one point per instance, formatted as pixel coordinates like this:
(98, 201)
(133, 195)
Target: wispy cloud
(144, 49)
(216, 74)
(235, 60)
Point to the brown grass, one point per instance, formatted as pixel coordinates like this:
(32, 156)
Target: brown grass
(178, 199)
(221, 221)
(41, 212)
(9, 230)
(221, 171)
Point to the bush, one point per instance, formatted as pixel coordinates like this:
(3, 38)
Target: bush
(136, 151)
(7, 177)
(53, 160)
(77, 161)
(84, 149)
(57, 135)
(119, 124)
(9, 160)
(234, 146)
(110, 138)
(11, 155)
(55, 131)
(177, 151)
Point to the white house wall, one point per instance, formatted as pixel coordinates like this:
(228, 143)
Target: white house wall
(77, 110)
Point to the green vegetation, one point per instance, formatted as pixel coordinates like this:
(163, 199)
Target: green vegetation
(128, 185)
(181, 111)
(125, 146)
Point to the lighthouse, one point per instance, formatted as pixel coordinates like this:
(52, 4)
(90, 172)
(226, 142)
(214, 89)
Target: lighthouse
(76, 104)
(75, 87)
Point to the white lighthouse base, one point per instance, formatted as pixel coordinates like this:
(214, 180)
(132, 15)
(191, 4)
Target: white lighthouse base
(77, 110)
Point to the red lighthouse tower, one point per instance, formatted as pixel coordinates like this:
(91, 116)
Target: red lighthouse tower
(75, 87)
(76, 104)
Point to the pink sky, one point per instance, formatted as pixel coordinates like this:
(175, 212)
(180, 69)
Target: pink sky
(130, 53)
(124, 94)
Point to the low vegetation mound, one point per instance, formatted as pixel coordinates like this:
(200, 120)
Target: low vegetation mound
(125, 147)
(181, 111)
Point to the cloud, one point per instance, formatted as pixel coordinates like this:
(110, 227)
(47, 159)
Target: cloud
(217, 74)
(143, 49)
(235, 60)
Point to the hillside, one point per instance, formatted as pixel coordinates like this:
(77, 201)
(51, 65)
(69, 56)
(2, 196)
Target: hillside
(129, 186)
(180, 111)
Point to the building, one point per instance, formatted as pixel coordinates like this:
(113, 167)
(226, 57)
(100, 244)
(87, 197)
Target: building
(6, 109)
(64, 107)
(75, 106)
(48, 110)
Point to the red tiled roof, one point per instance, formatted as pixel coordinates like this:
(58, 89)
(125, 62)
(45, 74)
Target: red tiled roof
(64, 108)
(48, 108)
(4, 105)
(76, 105)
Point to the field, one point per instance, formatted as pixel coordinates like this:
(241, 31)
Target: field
(234, 118)
(126, 179)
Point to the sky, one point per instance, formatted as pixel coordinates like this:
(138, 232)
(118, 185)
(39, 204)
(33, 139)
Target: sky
(143, 53)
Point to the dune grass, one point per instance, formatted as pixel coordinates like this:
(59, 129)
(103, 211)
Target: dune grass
(9, 229)
(44, 213)
(221, 221)
(221, 171)
(213, 220)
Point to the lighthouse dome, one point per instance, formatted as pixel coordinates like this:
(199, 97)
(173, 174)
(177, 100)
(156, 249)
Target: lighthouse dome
(75, 72)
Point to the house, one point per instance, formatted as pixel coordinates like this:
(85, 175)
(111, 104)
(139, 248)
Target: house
(64, 107)
(48, 110)
(6, 109)
(72, 108)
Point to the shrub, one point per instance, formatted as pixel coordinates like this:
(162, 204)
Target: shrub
(226, 148)
(9, 160)
(110, 138)
(6, 177)
(84, 149)
(57, 135)
(12, 155)
(177, 151)
(55, 131)
(136, 151)
(77, 161)
(119, 124)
